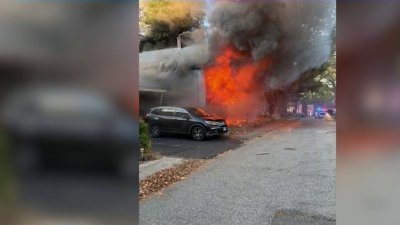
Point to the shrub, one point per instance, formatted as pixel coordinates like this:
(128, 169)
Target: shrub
(144, 136)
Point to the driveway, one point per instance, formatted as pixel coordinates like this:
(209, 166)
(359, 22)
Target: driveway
(287, 176)
(183, 147)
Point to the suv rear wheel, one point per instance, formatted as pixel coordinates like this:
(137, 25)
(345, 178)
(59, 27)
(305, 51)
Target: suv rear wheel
(155, 131)
(198, 133)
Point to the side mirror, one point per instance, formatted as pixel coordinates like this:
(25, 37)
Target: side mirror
(186, 117)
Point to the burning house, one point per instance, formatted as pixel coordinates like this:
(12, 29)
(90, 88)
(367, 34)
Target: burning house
(253, 53)
(172, 76)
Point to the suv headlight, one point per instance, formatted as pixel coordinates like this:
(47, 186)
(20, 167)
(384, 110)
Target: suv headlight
(212, 123)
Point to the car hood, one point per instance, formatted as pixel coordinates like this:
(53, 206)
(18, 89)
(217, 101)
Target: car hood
(213, 118)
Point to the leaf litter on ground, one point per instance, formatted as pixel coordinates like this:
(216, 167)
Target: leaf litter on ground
(161, 179)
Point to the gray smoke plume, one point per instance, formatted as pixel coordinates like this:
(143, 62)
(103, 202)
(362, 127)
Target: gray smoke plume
(249, 27)
(296, 34)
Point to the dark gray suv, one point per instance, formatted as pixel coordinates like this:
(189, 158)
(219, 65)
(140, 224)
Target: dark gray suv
(196, 122)
(50, 124)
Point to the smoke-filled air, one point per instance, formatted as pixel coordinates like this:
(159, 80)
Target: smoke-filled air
(260, 46)
(250, 48)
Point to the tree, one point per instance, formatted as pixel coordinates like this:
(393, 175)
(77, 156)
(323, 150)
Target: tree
(161, 21)
(314, 86)
(328, 74)
(325, 77)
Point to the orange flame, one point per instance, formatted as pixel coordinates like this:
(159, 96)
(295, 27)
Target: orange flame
(233, 85)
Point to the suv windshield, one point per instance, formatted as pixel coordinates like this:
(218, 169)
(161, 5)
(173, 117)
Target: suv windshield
(198, 112)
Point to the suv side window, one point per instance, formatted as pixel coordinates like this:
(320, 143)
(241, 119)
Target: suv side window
(156, 112)
(182, 114)
(168, 112)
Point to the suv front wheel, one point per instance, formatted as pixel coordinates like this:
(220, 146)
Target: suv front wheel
(198, 133)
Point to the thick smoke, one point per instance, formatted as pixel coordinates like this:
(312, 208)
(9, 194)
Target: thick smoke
(296, 34)
(249, 27)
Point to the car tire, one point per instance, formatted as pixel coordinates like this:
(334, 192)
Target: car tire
(198, 133)
(155, 131)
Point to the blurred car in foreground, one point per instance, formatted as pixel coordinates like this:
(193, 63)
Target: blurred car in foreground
(195, 122)
(79, 127)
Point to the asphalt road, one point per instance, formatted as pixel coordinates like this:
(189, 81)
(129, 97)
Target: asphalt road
(287, 176)
(183, 146)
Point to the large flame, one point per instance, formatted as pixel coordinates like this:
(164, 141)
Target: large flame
(234, 85)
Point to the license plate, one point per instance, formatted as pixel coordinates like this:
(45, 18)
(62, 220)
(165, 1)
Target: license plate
(224, 128)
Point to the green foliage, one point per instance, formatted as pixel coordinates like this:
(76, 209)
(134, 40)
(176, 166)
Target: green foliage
(162, 21)
(307, 82)
(325, 77)
(144, 136)
(328, 75)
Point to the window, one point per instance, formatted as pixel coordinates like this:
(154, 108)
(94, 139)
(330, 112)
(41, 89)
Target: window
(156, 112)
(168, 112)
(182, 115)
